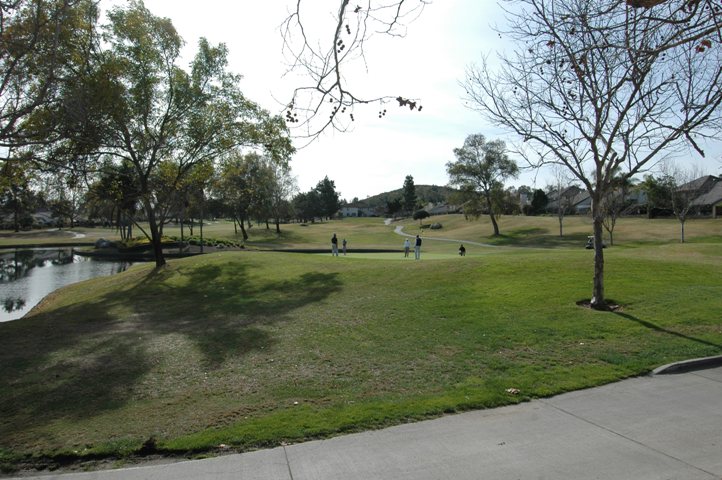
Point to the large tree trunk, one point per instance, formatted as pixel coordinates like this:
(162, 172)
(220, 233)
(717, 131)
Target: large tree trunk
(493, 222)
(241, 221)
(278, 226)
(682, 232)
(598, 302)
(155, 236)
(487, 197)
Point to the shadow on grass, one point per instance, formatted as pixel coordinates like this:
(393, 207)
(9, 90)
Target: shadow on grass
(80, 361)
(540, 238)
(667, 331)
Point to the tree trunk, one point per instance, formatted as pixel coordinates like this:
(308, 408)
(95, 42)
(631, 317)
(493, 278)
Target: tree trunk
(598, 302)
(493, 222)
(278, 226)
(155, 237)
(241, 221)
(487, 198)
(561, 220)
(682, 231)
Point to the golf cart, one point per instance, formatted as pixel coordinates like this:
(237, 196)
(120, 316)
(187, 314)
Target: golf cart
(590, 243)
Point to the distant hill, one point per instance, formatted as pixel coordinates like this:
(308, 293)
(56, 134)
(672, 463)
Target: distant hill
(424, 193)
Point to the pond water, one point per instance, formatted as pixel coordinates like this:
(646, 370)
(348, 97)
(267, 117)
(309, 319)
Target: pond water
(27, 276)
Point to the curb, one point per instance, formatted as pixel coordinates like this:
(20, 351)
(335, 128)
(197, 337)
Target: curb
(689, 365)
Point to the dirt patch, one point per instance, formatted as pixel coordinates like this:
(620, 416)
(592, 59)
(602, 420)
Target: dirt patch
(610, 306)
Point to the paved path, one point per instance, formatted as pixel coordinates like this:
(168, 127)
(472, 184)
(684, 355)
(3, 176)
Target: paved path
(400, 231)
(655, 427)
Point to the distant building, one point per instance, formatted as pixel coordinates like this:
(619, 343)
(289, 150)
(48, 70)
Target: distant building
(710, 199)
(358, 209)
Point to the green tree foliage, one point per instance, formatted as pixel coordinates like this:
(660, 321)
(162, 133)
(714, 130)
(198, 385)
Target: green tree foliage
(16, 194)
(420, 215)
(480, 170)
(393, 207)
(239, 185)
(659, 195)
(328, 198)
(139, 107)
(43, 43)
(115, 197)
(539, 201)
(408, 193)
(307, 206)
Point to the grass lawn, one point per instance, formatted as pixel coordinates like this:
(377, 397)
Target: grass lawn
(251, 349)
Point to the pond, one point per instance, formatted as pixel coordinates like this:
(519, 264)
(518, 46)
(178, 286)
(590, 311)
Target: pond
(27, 276)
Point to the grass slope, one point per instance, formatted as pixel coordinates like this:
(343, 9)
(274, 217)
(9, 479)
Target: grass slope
(252, 349)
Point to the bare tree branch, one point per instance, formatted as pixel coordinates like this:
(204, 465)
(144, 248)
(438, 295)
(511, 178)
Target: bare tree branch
(329, 98)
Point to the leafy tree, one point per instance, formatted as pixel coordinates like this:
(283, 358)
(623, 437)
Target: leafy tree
(420, 215)
(480, 170)
(239, 186)
(307, 206)
(328, 198)
(16, 194)
(539, 201)
(393, 207)
(42, 45)
(281, 188)
(659, 195)
(159, 118)
(603, 89)
(408, 193)
(114, 196)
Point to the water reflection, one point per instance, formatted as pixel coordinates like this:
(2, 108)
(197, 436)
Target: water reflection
(27, 276)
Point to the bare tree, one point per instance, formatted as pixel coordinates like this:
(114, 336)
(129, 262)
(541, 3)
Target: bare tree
(323, 52)
(684, 186)
(614, 202)
(566, 192)
(603, 89)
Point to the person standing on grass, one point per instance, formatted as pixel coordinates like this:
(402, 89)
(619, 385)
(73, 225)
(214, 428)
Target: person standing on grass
(344, 247)
(462, 250)
(334, 245)
(417, 248)
(407, 247)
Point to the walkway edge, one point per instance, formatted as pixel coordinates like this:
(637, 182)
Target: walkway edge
(688, 365)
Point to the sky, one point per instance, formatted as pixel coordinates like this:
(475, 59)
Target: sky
(427, 64)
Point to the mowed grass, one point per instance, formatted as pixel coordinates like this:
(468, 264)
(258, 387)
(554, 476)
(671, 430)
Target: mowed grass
(252, 349)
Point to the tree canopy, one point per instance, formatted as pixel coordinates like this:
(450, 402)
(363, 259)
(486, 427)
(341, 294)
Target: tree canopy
(480, 170)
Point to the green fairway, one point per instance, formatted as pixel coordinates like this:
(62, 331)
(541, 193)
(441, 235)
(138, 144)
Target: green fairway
(252, 349)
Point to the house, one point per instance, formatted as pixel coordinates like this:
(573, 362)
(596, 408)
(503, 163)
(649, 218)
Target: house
(711, 200)
(568, 198)
(573, 199)
(702, 184)
(358, 209)
(441, 209)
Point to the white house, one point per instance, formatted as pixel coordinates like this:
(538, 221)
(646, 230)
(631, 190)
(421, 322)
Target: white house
(357, 210)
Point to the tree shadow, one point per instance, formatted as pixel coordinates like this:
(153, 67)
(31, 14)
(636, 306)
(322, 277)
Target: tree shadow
(540, 238)
(667, 331)
(80, 361)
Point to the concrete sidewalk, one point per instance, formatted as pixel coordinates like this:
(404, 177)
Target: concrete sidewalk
(656, 427)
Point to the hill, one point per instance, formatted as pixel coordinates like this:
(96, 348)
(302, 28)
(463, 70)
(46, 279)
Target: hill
(424, 193)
